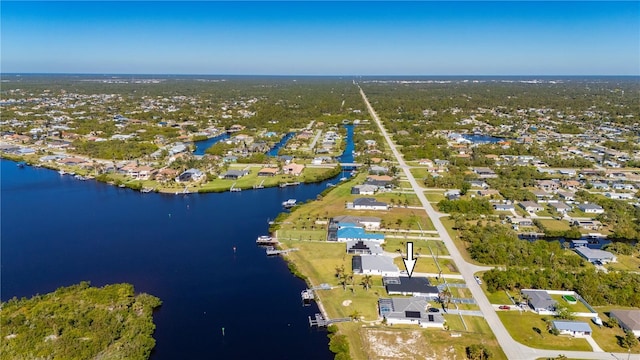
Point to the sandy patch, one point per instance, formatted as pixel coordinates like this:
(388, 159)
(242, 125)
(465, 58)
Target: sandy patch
(406, 344)
(346, 303)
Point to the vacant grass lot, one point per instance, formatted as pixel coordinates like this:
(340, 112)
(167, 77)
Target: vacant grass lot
(425, 264)
(420, 247)
(555, 225)
(625, 263)
(531, 330)
(434, 197)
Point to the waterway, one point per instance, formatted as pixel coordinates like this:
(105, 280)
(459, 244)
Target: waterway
(482, 139)
(202, 146)
(57, 231)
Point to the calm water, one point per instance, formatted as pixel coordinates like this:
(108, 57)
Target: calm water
(482, 139)
(202, 146)
(57, 231)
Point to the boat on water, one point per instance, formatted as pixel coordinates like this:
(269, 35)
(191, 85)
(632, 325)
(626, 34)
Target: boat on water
(80, 177)
(21, 164)
(266, 240)
(289, 203)
(62, 172)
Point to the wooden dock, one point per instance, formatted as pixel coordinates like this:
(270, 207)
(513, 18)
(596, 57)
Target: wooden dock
(289, 184)
(272, 251)
(320, 321)
(267, 241)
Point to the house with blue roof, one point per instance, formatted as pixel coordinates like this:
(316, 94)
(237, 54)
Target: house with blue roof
(357, 233)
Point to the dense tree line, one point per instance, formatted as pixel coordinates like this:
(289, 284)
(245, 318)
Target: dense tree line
(596, 287)
(114, 149)
(497, 244)
(474, 206)
(79, 322)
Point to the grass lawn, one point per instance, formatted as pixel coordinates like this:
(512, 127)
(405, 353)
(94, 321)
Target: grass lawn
(555, 225)
(420, 247)
(498, 297)
(420, 173)
(524, 328)
(426, 264)
(434, 197)
(625, 263)
(577, 307)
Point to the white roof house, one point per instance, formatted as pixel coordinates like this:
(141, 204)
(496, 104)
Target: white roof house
(591, 208)
(374, 265)
(595, 255)
(573, 328)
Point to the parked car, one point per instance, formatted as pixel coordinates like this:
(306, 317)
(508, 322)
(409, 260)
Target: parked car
(478, 280)
(504, 307)
(434, 310)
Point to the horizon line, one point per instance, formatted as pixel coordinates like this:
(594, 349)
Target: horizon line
(314, 75)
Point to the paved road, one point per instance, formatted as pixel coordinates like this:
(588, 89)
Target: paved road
(513, 349)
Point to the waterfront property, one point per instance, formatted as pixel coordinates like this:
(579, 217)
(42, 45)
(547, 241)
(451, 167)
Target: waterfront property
(367, 204)
(595, 255)
(347, 231)
(411, 311)
(368, 222)
(413, 286)
(374, 265)
(365, 247)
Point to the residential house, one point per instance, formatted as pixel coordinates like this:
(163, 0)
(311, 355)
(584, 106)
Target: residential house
(597, 185)
(364, 189)
(540, 301)
(234, 174)
(628, 320)
(488, 192)
(293, 169)
(571, 184)
(588, 224)
(560, 207)
(531, 206)
(377, 170)
(268, 171)
(409, 311)
(548, 185)
(364, 247)
(479, 184)
(351, 232)
(503, 207)
(542, 195)
(619, 196)
(623, 186)
(591, 208)
(595, 255)
(413, 286)
(566, 195)
(190, 175)
(485, 173)
(573, 328)
(368, 204)
(374, 265)
(166, 174)
(368, 222)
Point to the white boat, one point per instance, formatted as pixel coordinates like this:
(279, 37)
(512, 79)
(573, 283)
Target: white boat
(62, 172)
(289, 203)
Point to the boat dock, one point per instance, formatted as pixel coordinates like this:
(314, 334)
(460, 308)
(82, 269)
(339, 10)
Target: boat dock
(259, 186)
(289, 184)
(266, 240)
(320, 321)
(271, 251)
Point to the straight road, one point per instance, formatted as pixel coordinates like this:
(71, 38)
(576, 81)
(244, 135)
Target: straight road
(513, 349)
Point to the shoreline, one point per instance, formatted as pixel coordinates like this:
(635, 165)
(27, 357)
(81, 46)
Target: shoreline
(138, 185)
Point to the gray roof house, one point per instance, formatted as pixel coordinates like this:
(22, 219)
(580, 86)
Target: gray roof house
(531, 206)
(364, 189)
(368, 204)
(540, 301)
(374, 265)
(234, 174)
(560, 207)
(591, 208)
(595, 255)
(364, 247)
(573, 328)
(415, 286)
(409, 311)
(628, 320)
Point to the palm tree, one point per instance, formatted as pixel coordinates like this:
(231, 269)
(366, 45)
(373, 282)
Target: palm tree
(367, 280)
(445, 297)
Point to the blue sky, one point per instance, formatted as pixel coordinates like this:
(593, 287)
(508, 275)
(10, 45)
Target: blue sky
(322, 38)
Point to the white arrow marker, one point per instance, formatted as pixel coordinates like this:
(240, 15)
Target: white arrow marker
(409, 262)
